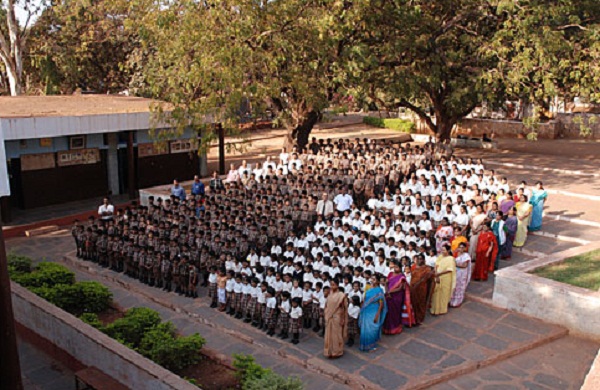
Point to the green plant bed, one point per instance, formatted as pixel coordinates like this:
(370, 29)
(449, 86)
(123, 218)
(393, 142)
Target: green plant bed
(401, 125)
(581, 271)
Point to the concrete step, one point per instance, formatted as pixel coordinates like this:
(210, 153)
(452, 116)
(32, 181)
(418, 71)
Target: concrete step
(495, 335)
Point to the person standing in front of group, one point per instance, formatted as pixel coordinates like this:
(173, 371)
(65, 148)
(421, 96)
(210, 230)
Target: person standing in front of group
(106, 210)
(197, 187)
(177, 190)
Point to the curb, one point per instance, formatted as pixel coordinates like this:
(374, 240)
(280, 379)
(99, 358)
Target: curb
(332, 373)
(323, 368)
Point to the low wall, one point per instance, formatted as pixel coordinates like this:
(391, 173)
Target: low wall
(475, 127)
(575, 308)
(89, 346)
(567, 128)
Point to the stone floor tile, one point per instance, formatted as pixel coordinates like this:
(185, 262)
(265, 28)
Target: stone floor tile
(384, 377)
(423, 351)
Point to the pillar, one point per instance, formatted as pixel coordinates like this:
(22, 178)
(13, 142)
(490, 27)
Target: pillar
(132, 187)
(113, 163)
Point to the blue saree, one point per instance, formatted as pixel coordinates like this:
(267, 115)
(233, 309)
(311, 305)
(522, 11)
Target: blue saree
(370, 332)
(537, 201)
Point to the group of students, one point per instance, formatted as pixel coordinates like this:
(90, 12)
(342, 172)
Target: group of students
(271, 242)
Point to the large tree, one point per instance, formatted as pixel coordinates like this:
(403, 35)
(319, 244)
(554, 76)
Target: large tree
(229, 60)
(424, 55)
(81, 44)
(546, 49)
(13, 38)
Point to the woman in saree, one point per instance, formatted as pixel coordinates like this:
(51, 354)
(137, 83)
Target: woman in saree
(511, 224)
(463, 275)
(487, 250)
(538, 198)
(524, 209)
(476, 223)
(507, 203)
(336, 327)
(444, 234)
(395, 299)
(445, 282)
(420, 288)
(372, 316)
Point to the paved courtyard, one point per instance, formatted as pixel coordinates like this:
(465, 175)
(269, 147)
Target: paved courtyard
(474, 347)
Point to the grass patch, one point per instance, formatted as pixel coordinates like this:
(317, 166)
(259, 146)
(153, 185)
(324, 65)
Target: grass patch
(402, 125)
(581, 271)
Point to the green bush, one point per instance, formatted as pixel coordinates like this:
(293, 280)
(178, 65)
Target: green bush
(254, 377)
(162, 345)
(46, 274)
(92, 319)
(402, 125)
(272, 381)
(18, 264)
(78, 298)
(130, 329)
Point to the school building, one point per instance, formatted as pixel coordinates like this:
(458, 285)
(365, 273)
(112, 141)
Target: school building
(67, 148)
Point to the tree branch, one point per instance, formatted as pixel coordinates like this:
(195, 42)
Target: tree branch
(420, 113)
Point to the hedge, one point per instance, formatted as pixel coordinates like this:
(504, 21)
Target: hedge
(254, 377)
(56, 284)
(130, 329)
(402, 125)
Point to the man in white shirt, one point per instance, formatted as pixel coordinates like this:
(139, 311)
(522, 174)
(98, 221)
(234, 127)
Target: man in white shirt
(106, 210)
(343, 201)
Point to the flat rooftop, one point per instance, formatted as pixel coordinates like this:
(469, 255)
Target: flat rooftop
(71, 105)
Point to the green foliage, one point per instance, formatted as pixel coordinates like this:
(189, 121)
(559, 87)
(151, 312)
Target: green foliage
(78, 298)
(92, 319)
(131, 329)
(46, 274)
(402, 125)
(254, 377)
(532, 123)
(272, 381)
(585, 129)
(247, 368)
(80, 44)
(164, 347)
(18, 263)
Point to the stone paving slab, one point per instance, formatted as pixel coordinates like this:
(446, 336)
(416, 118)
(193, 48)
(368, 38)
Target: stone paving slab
(546, 367)
(467, 338)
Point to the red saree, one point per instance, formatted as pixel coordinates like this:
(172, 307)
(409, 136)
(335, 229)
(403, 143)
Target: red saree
(483, 262)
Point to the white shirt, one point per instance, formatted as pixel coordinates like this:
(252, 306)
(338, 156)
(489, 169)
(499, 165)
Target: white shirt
(271, 303)
(296, 312)
(343, 202)
(353, 311)
(106, 209)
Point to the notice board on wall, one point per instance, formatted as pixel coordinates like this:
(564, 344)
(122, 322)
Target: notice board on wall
(78, 157)
(33, 162)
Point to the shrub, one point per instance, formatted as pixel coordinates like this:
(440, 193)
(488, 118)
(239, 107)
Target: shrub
(94, 297)
(254, 377)
(402, 125)
(18, 264)
(78, 298)
(130, 329)
(46, 274)
(91, 319)
(162, 345)
(247, 368)
(272, 381)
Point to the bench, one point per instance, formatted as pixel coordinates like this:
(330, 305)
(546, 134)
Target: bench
(93, 379)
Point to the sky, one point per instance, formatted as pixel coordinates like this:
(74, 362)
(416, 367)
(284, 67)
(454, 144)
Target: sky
(22, 14)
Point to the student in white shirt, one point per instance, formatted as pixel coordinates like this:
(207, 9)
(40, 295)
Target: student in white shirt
(296, 319)
(353, 313)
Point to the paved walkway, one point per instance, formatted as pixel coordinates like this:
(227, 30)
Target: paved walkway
(470, 337)
(476, 346)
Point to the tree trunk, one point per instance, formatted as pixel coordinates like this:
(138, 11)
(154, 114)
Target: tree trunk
(444, 128)
(298, 136)
(14, 82)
